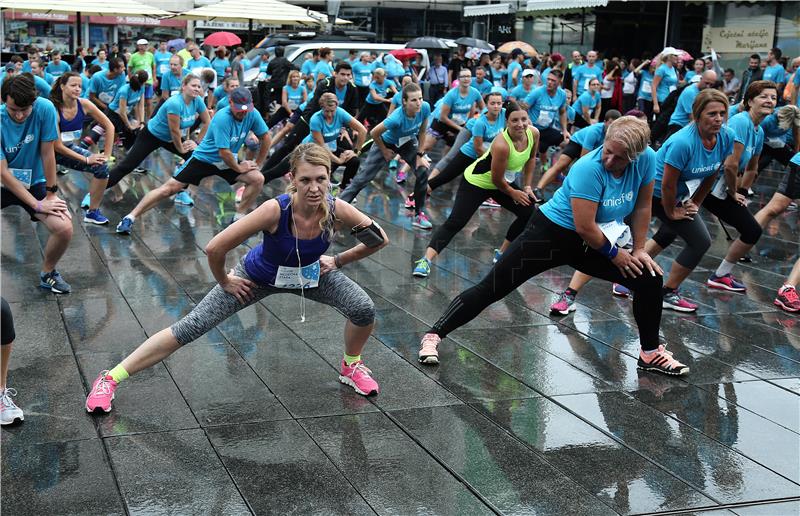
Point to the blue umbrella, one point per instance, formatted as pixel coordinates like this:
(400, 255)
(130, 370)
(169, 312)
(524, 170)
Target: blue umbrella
(177, 44)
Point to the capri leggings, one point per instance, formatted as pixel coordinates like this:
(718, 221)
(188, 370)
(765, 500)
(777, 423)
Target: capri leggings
(468, 199)
(145, 144)
(455, 167)
(542, 246)
(335, 289)
(463, 137)
(6, 324)
(98, 171)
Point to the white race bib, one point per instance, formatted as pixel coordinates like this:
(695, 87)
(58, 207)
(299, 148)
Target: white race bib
(163, 68)
(23, 175)
(647, 87)
(292, 104)
(403, 140)
(617, 233)
(586, 83)
(298, 277)
(545, 118)
(221, 165)
(498, 83)
(70, 136)
(510, 175)
(692, 185)
(459, 118)
(332, 145)
(106, 97)
(365, 80)
(720, 190)
(672, 88)
(775, 143)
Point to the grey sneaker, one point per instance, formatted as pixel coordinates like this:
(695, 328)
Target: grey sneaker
(9, 411)
(52, 280)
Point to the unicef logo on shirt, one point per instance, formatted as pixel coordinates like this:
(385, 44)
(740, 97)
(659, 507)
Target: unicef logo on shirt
(618, 201)
(629, 196)
(28, 138)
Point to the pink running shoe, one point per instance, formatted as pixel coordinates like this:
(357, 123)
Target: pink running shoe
(359, 377)
(726, 282)
(410, 204)
(788, 299)
(239, 194)
(401, 176)
(490, 203)
(661, 361)
(428, 354)
(102, 393)
(675, 301)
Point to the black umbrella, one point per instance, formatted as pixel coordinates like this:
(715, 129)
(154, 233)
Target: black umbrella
(427, 42)
(475, 43)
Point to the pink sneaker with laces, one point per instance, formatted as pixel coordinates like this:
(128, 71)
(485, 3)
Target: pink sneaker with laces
(102, 393)
(428, 354)
(661, 361)
(359, 377)
(410, 202)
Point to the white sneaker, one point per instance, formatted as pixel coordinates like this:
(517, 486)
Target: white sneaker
(9, 411)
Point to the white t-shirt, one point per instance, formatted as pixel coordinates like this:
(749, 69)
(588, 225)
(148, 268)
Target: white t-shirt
(607, 93)
(629, 84)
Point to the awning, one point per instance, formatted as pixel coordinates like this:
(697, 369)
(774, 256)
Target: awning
(128, 7)
(549, 7)
(271, 12)
(488, 9)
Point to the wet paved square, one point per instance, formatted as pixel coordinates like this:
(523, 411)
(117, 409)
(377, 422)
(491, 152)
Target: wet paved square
(527, 414)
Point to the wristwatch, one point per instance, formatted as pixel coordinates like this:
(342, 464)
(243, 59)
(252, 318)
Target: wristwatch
(52, 189)
(420, 154)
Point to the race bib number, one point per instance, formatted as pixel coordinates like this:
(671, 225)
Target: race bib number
(647, 87)
(221, 165)
(172, 93)
(545, 118)
(292, 104)
(775, 143)
(332, 145)
(163, 68)
(510, 175)
(720, 190)
(616, 232)
(298, 277)
(70, 136)
(403, 140)
(587, 82)
(692, 185)
(498, 83)
(106, 97)
(672, 88)
(365, 80)
(459, 118)
(23, 175)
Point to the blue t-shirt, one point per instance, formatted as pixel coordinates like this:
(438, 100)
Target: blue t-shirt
(584, 75)
(362, 73)
(690, 75)
(484, 129)
(586, 100)
(162, 62)
(294, 96)
(42, 87)
(85, 83)
(544, 110)
(733, 110)
(105, 88)
(669, 81)
(645, 85)
(308, 67)
(482, 87)
(130, 96)
(795, 159)
(747, 134)
(498, 77)
(460, 107)
(775, 73)
(399, 127)
(683, 109)
(57, 70)
(397, 99)
(520, 93)
(796, 82)
(685, 152)
(201, 62)
(380, 90)
(103, 65)
(588, 179)
(513, 65)
(773, 130)
(323, 67)
(330, 132)
(590, 137)
(225, 132)
(188, 113)
(219, 66)
(19, 142)
(171, 83)
(222, 97)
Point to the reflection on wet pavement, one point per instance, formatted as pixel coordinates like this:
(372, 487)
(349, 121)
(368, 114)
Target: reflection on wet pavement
(527, 414)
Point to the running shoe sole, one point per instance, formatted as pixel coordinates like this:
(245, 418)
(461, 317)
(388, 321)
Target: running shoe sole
(95, 222)
(722, 286)
(677, 372)
(420, 226)
(101, 409)
(429, 360)
(564, 312)
(787, 308)
(619, 294)
(678, 308)
(54, 290)
(15, 420)
(349, 381)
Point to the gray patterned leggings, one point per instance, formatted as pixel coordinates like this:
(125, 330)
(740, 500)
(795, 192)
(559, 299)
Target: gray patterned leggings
(335, 289)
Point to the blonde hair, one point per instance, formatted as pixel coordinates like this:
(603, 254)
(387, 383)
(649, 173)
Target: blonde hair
(315, 155)
(631, 132)
(706, 97)
(380, 72)
(292, 73)
(788, 116)
(327, 99)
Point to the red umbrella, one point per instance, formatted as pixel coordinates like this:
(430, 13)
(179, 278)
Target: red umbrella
(404, 53)
(217, 39)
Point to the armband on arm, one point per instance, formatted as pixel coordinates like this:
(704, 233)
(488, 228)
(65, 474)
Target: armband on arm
(370, 236)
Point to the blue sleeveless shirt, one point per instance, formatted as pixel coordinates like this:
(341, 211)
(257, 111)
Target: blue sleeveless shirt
(76, 124)
(278, 249)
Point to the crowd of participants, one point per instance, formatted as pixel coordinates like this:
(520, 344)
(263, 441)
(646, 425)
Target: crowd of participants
(584, 153)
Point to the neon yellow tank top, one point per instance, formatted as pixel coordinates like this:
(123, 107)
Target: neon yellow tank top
(479, 173)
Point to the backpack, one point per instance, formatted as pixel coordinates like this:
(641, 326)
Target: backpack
(659, 128)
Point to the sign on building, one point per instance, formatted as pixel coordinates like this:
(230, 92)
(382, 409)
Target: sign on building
(738, 39)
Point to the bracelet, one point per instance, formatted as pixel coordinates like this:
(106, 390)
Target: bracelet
(337, 261)
(87, 159)
(609, 250)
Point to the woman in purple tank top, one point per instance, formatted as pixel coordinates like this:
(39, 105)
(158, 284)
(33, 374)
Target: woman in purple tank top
(297, 229)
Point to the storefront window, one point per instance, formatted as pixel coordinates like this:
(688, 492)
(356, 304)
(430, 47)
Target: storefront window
(569, 32)
(788, 39)
(129, 34)
(100, 34)
(42, 34)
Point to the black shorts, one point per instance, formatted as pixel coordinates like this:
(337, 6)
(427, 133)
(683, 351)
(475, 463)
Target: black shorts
(295, 116)
(549, 137)
(790, 186)
(573, 149)
(6, 324)
(194, 171)
(39, 190)
(443, 131)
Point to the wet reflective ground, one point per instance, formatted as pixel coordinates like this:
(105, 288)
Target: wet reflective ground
(527, 414)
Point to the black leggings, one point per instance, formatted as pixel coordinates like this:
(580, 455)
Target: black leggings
(468, 199)
(372, 114)
(279, 116)
(453, 169)
(145, 144)
(126, 135)
(6, 324)
(781, 154)
(544, 245)
(290, 141)
(350, 169)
